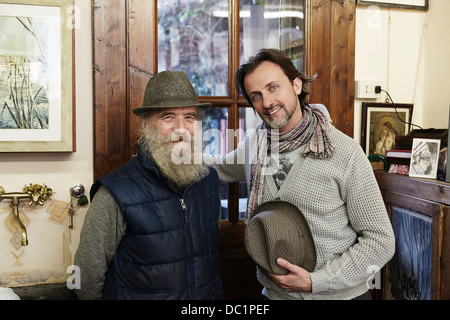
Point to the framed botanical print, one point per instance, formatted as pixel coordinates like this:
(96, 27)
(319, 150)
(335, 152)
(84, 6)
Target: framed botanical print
(36, 76)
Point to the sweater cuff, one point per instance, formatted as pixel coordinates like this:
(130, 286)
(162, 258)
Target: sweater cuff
(320, 281)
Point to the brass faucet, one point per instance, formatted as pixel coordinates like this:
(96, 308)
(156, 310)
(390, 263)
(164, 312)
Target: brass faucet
(37, 195)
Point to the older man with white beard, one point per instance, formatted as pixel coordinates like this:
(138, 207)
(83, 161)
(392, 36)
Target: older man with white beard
(152, 229)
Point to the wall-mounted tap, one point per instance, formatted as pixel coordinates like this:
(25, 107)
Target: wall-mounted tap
(37, 194)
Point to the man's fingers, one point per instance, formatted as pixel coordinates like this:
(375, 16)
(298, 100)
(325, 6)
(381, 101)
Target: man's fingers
(285, 264)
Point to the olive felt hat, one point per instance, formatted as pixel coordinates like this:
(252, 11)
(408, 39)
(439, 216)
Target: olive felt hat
(169, 89)
(279, 230)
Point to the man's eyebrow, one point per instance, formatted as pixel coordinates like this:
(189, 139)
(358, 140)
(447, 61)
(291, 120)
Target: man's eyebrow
(271, 84)
(165, 113)
(194, 114)
(168, 113)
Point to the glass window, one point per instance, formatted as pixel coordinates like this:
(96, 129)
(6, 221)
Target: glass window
(193, 37)
(273, 24)
(248, 119)
(214, 129)
(268, 24)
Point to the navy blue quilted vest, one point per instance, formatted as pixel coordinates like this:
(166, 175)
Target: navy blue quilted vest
(171, 246)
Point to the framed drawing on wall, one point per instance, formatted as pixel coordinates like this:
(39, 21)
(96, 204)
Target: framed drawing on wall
(381, 123)
(37, 104)
(402, 4)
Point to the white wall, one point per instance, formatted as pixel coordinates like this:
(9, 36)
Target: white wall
(407, 50)
(51, 245)
(437, 66)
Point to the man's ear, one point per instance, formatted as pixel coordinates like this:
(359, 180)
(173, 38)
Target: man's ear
(145, 122)
(298, 85)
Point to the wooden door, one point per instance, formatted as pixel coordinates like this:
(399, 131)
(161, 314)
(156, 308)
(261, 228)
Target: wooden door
(125, 57)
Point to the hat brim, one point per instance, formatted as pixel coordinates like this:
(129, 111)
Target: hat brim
(268, 237)
(141, 111)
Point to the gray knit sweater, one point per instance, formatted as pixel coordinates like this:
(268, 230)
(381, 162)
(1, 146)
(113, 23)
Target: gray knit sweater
(343, 206)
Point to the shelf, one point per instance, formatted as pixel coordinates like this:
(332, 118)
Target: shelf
(427, 189)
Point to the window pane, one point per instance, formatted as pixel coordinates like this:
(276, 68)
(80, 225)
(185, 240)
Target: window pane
(248, 119)
(218, 139)
(193, 37)
(268, 24)
(273, 24)
(214, 129)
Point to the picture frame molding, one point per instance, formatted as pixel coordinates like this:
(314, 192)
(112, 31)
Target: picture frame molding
(422, 5)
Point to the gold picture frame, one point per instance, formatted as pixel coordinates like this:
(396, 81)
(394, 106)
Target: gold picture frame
(37, 78)
(379, 118)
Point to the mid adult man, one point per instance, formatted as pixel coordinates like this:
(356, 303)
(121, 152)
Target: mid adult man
(152, 231)
(326, 175)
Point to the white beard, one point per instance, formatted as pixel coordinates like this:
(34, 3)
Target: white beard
(167, 154)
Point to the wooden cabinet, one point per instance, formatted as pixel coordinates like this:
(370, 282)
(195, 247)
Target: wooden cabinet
(419, 211)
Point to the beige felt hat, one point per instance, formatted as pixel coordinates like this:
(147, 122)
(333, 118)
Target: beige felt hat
(279, 230)
(169, 89)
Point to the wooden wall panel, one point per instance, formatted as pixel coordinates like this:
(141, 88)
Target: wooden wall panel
(125, 53)
(320, 51)
(110, 91)
(142, 58)
(332, 45)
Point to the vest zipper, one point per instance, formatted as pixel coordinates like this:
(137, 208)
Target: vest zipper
(183, 205)
(191, 276)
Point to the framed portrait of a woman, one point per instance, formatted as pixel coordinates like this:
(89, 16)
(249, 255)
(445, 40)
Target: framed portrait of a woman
(381, 123)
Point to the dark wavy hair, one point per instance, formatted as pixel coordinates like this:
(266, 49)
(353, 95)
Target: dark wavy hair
(278, 57)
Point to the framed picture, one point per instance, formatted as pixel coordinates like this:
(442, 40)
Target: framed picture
(37, 104)
(402, 4)
(381, 123)
(424, 158)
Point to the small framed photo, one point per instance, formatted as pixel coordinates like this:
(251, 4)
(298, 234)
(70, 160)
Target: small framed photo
(381, 123)
(424, 158)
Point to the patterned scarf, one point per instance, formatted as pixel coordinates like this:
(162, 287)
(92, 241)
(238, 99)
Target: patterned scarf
(312, 131)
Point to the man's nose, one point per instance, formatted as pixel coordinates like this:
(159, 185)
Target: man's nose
(180, 131)
(267, 102)
(180, 126)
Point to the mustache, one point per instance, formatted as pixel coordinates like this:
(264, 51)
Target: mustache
(180, 137)
(267, 111)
